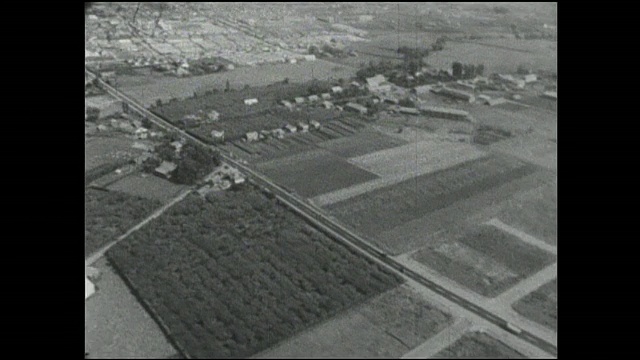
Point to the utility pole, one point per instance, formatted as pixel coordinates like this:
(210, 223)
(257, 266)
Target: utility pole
(135, 13)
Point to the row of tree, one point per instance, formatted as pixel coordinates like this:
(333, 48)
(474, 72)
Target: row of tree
(467, 71)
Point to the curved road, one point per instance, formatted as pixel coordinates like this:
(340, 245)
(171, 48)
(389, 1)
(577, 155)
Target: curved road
(337, 230)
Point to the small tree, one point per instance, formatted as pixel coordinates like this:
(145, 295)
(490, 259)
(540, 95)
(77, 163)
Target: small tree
(146, 123)
(480, 70)
(285, 81)
(457, 70)
(227, 86)
(159, 103)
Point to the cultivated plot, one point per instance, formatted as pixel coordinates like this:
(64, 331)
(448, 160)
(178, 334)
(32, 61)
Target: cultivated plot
(314, 172)
(479, 345)
(541, 305)
(148, 187)
(387, 326)
(361, 143)
(233, 275)
(105, 150)
(484, 259)
(117, 326)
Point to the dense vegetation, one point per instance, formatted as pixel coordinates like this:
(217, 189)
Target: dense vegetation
(110, 214)
(236, 273)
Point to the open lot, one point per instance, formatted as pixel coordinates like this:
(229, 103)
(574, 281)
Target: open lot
(117, 326)
(233, 275)
(314, 172)
(168, 88)
(110, 214)
(387, 326)
(383, 209)
(104, 150)
(478, 345)
(484, 259)
(541, 305)
(148, 187)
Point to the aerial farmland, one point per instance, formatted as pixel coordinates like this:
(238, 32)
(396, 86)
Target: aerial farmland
(321, 180)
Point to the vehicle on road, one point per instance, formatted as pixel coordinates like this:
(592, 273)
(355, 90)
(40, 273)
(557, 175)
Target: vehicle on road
(512, 328)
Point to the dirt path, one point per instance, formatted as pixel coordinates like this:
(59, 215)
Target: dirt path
(523, 236)
(441, 341)
(100, 252)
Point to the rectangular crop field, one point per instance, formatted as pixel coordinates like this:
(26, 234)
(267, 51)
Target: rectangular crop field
(386, 208)
(388, 326)
(484, 259)
(361, 143)
(478, 345)
(104, 150)
(541, 305)
(233, 275)
(314, 172)
(110, 214)
(536, 216)
(149, 187)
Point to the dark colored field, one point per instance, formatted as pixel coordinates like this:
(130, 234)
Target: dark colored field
(536, 217)
(493, 244)
(314, 173)
(110, 214)
(361, 143)
(478, 345)
(541, 305)
(383, 209)
(235, 274)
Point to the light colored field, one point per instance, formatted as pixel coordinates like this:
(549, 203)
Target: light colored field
(117, 326)
(399, 164)
(103, 150)
(150, 187)
(472, 258)
(541, 305)
(166, 88)
(539, 54)
(386, 327)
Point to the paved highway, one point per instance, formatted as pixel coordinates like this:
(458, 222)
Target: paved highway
(317, 216)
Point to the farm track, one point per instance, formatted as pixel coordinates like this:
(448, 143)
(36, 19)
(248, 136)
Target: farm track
(336, 230)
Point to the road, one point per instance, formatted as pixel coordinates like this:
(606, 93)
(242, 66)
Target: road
(330, 226)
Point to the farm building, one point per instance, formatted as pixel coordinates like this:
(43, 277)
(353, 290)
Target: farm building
(496, 101)
(315, 124)
(287, 104)
(309, 57)
(419, 90)
(250, 101)
(105, 104)
(550, 95)
(445, 113)
(177, 145)
(336, 89)
(313, 98)
(166, 168)
(89, 288)
(325, 96)
(530, 78)
(392, 101)
(356, 107)
(299, 100)
(463, 85)
(127, 128)
(480, 80)
(457, 94)
(217, 135)
(327, 104)
(213, 116)
(303, 127)
(252, 136)
(519, 83)
(378, 83)
(484, 97)
(408, 110)
(355, 84)
(290, 128)
(191, 121)
(278, 133)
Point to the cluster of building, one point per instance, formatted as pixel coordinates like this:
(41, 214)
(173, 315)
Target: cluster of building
(222, 178)
(279, 133)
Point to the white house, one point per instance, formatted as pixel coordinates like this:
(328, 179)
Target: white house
(336, 89)
(250, 101)
(89, 288)
(252, 136)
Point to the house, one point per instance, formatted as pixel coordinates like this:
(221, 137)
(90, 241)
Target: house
(480, 80)
(519, 83)
(142, 158)
(313, 98)
(550, 95)
(309, 57)
(217, 135)
(293, 61)
(408, 110)
(250, 102)
(376, 80)
(445, 113)
(484, 97)
(496, 101)
(213, 116)
(141, 133)
(252, 136)
(336, 89)
(530, 78)
(102, 127)
(419, 90)
(177, 145)
(355, 84)
(191, 121)
(303, 127)
(388, 100)
(463, 85)
(127, 128)
(315, 124)
(278, 133)
(327, 104)
(290, 128)
(457, 94)
(166, 168)
(356, 107)
(299, 100)
(89, 288)
(287, 104)
(137, 123)
(325, 96)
